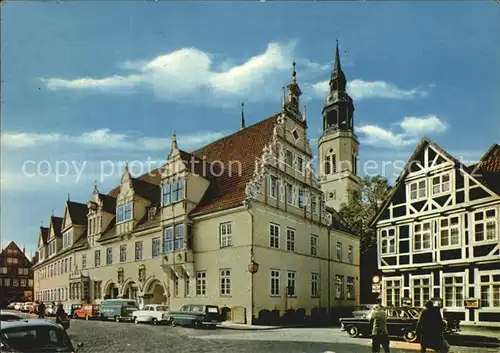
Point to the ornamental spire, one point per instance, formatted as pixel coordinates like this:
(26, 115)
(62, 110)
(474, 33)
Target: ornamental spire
(242, 116)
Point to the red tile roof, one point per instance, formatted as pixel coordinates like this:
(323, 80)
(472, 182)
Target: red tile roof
(491, 160)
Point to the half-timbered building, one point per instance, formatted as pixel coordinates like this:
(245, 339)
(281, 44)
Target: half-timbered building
(438, 235)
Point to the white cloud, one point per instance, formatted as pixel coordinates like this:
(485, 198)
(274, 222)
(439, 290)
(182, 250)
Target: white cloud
(411, 130)
(194, 75)
(104, 138)
(359, 89)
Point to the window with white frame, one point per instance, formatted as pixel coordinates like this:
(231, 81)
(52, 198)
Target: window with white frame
(314, 285)
(291, 283)
(275, 282)
(441, 184)
(339, 251)
(490, 290)
(225, 234)
(177, 187)
(289, 158)
(289, 194)
(23, 282)
(485, 225)
(168, 239)
(179, 237)
(273, 186)
(450, 231)
(138, 250)
(392, 289)
(109, 256)
(123, 253)
(301, 199)
(453, 289)
(388, 241)
(339, 287)
(418, 190)
(313, 205)
(350, 254)
(155, 247)
(274, 236)
(124, 213)
(421, 291)
(300, 164)
(314, 245)
(97, 258)
(166, 194)
(84, 261)
(290, 239)
(67, 238)
(176, 286)
(201, 283)
(350, 288)
(186, 286)
(422, 236)
(225, 282)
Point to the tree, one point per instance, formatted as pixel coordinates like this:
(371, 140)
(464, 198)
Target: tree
(362, 207)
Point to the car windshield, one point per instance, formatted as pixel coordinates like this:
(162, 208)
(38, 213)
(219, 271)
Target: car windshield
(36, 339)
(162, 308)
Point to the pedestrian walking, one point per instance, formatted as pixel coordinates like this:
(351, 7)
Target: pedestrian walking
(380, 335)
(61, 317)
(430, 329)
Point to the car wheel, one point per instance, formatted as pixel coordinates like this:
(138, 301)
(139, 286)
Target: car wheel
(117, 319)
(353, 331)
(173, 323)
(154, 321)
(75, 316)
(410, 336)
(136, 320)
(197, 324)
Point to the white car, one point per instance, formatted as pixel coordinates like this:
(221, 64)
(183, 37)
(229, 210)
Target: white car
(152, 314)
(50, 310)
(18, 306)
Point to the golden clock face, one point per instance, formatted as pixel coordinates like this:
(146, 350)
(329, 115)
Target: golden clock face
(376, 279)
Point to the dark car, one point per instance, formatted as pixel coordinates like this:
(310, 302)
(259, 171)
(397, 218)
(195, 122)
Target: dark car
(195, 315)
(10, 316)
(30, 336)
(401, 322)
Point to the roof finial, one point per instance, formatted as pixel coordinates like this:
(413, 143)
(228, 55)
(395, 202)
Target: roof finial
(294, 74)
(283, 101)
(53, 212)
(69, 198)
(336, 65)
(242, 116)
(305, 111)
(174, 141)
(96, 190)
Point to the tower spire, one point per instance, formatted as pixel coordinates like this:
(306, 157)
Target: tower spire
(242, 116)
(336, 66)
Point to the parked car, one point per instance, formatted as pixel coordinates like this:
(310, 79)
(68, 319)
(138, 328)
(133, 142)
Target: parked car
(71, 308)
(87, 312)
(401, 322)
(10, 316)
(27, 307)
(195, 315)
(11, 305)
(18, 306)
(50, 310)
(362, 310)
(34, 336)
(33, 309)
(117, 309)
(152, 314)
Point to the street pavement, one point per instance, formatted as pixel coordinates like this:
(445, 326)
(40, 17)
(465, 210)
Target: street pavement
(111, 337)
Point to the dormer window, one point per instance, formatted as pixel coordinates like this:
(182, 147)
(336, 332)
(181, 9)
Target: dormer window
(52, 248)
(124, 213)
(151, 212)
(172, 192)
(67, 238)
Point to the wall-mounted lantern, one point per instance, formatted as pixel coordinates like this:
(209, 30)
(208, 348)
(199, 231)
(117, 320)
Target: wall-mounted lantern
(253, 267)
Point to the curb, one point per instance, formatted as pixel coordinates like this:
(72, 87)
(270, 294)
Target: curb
(257, 328)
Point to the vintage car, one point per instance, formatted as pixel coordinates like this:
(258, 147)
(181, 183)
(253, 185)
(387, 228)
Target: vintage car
(34, 336)
(50, 310)
(10, 316)
(27, 307)
(71, 308)
(87, 312)
(117, 309)
(401, 322)
(196, 315)
(152, 314)
(18, 306)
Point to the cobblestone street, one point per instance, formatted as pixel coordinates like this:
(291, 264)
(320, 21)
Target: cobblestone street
(111, 337)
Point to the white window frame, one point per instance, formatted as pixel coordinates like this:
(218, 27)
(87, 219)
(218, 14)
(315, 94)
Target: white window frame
(421, 233)
(350, 254)
(273, 187)
(395, 300)
(290, 240)
(123, 251)
(484, 222)
(389, 240)
(225, 282)
(138, 251)
(201, 283)
(109, 253)
(421, 287)
(289, 193)
(97, 258)
(350, 288)
(338, 251)
(417, 190)
(291, 278)
(225, 234)
(449, 228)
(300, 164)
(339, 287)
(314, 245)
(287, 154)
(315, 285)
(441, 184)
(274, 282)
(491, 284)
(274, 240)
(301, 199)
(457, 303)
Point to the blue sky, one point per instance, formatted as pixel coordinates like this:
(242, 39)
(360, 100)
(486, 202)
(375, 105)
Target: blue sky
(84, 82)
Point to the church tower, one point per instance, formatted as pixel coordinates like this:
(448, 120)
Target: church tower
(338, 145)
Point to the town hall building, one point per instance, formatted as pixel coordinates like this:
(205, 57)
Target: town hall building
(243, 223)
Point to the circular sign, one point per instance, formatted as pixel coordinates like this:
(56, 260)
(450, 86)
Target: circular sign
(376, 279)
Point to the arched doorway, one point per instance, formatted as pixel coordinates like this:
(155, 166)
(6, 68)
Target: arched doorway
(130, 290)
(154, 292)
(111, 291)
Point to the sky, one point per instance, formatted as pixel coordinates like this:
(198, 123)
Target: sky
(89, 85)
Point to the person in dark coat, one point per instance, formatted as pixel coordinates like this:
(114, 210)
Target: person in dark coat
(61, 316)
(430, 328)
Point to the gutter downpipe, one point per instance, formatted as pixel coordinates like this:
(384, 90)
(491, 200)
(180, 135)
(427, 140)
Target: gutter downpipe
(251, 259)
